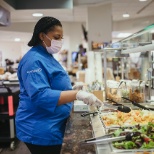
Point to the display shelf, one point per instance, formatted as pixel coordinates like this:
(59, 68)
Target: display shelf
(138, 49)
(140, 38)
(140, 42)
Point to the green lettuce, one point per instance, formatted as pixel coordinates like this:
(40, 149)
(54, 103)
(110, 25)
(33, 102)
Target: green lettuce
(117, 132)
(149, 145)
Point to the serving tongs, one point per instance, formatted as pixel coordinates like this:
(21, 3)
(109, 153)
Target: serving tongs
(111, 107)
(114, 102)
(88, 113)
(138, 105)
(108, 139)
(119, 107)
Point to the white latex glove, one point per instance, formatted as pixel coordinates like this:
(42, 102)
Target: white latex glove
(88, 98)
(78, 86)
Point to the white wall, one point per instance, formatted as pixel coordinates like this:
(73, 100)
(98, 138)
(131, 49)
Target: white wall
(71, 29)
(99, 23)
(72, 36)
(73, 33)
(10, 50)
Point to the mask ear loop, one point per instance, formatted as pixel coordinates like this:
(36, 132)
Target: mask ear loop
(45, 43)
(47, 37)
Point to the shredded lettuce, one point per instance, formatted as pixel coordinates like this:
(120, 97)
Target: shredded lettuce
(145, 139)
(125, 145)
(129, 145)
(118, 144)
(117, 132)
(151, 124)
(149, 145)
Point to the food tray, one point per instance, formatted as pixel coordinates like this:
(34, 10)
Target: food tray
(131, 151)
(146, 134)
(127, 124)
(115, 150)
(105, 114)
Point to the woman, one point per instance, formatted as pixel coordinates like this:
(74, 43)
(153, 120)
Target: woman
(46, 93)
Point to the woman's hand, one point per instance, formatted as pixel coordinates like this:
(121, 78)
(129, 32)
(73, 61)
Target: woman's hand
(88, 98)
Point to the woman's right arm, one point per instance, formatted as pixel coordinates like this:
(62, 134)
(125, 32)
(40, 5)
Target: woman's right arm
(67, 96)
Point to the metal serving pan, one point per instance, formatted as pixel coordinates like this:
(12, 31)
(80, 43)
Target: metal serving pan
(115, 150)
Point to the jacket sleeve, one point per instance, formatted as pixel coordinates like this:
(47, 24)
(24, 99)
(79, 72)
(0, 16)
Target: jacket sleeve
(37, 85)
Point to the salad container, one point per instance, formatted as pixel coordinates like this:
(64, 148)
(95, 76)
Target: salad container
(137, 91)
(113, 91)
(125, 89)
(141, 142)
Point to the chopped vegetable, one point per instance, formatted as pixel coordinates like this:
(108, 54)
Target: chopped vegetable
(149, 145)
(117, 132)
(143, 138)
(129, 145)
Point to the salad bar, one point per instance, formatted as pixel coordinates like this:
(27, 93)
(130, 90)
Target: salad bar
(121, 132)
(125, 123)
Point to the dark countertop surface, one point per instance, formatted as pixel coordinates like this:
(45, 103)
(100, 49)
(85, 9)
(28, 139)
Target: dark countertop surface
(78, 128)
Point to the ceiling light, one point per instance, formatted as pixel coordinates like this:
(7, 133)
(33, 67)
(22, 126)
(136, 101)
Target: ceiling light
(37, 14)
(123, 35)
(17, 39)
(126, 15)
(142, 0)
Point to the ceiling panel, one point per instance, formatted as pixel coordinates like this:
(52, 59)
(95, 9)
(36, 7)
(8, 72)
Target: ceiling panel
(32, 4)
(132, 7)
(79, 12)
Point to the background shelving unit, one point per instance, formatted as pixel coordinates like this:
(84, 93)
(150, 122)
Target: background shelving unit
(140, 42)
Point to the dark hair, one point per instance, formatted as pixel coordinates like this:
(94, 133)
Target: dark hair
(45, 24)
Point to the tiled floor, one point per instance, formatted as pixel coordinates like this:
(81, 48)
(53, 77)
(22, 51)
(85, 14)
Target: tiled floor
(20, 149)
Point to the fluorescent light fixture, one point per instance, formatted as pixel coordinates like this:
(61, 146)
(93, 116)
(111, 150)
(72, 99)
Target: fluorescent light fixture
(142, 0)
(37, 14)
(126, 15)
(17, 39)
(123, 35)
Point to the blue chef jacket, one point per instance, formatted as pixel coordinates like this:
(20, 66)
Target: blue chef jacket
(39, 120)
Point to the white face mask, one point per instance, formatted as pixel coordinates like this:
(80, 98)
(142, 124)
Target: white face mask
(55, 47)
